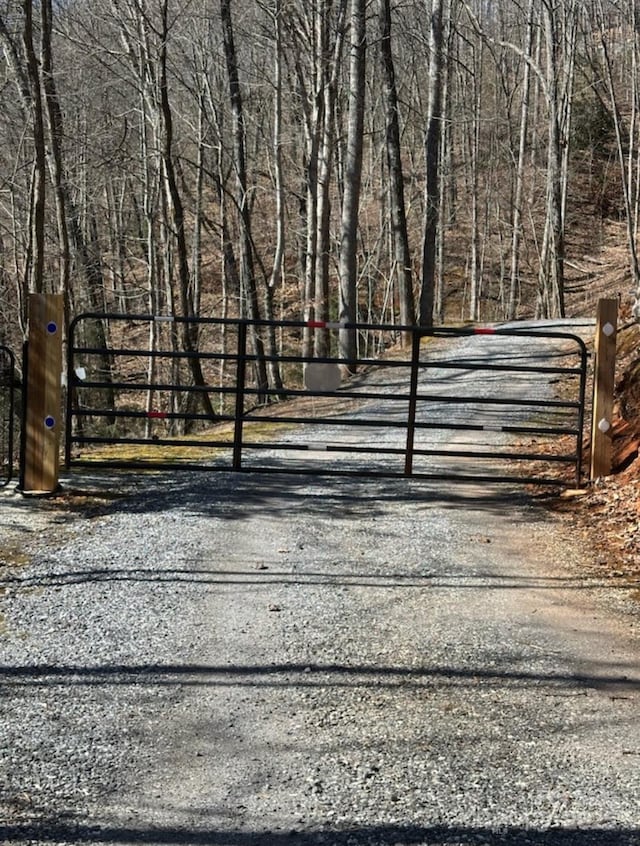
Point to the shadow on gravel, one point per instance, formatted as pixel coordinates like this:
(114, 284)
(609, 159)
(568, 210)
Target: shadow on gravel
(314, 675)
(230, 496)
(366, 836)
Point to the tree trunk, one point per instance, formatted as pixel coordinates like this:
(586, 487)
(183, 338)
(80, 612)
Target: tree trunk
(475, 279)
(432, 158)
(397, 209)
(56, 136)
(516, 222)
(247, 275)
(277, 270)
(174, 204)
(352, 184)
(35, 267)
(329, 67)
(279, 253)
(551, 277)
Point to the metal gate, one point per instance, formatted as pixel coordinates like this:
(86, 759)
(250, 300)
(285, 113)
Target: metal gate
(493, 404)
(9, 384)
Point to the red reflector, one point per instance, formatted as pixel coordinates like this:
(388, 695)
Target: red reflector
(157, 415)
(316, 324)
(484, 330)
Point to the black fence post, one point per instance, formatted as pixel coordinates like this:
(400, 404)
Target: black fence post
(71, 377)
(413, 401)
(241, 375)
(8, 380)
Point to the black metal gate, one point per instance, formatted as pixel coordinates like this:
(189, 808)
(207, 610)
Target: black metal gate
(9, 384)
(491, 404)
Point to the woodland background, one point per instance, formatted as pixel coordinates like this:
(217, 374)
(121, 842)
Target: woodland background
(392, 161)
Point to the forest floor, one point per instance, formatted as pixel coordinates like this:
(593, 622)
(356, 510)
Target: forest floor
(607, 513)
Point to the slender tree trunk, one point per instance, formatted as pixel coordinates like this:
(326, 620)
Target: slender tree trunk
(432, 159)
(196, 250)
(474, 200)
(314, 125)
(551, 280)
(397, 207)
(311, 253)
(277, 270)
(323, 234)
(516, 224)
(352, 183)
(330, 65)
(447, 200)
(38, 190)
(54, 115)
(176, 211)
(279, 253)
(247, 275)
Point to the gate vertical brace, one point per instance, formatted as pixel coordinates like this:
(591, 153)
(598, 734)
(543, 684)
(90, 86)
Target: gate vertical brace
(11, 379)
(413, 402)
(68, 422)
(581, 415)
(23, 415)
(11, 385)
(241, 375)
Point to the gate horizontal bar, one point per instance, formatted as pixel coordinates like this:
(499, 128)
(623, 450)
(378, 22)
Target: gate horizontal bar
(288, 393)
(542, 417)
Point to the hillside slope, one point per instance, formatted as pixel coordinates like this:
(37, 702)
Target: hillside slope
(609, 512)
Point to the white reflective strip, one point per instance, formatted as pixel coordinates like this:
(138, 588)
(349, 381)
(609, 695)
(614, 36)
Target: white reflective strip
(336, 325)
(321, 447)
(163, 318)
(492, 428)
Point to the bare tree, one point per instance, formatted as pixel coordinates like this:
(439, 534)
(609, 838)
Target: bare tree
(560, 34)
(317, 32)
(176, 210)
(432, 158)
(516, 222)
(401, 258)
(39, 180)
(56, 136)
(328, 68)
(352, 182)
(215, 120)
(247, 274)
(624, 133)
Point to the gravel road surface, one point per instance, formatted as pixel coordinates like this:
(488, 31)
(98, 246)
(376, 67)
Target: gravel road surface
(244, 659)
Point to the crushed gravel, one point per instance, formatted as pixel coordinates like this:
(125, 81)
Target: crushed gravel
(238, 659)
(245, 659)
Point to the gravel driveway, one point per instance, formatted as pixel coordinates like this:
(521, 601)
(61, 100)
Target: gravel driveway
(247, 659)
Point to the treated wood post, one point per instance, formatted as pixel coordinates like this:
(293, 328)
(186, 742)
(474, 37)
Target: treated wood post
(43, 411)
(603, 385)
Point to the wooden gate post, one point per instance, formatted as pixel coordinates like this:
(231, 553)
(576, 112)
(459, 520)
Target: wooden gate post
(603, 385)
(43, 411)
